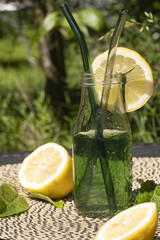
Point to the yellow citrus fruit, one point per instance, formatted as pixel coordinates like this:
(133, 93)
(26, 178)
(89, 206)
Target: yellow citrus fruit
(135, 223)
(48, 170)
(139, 79)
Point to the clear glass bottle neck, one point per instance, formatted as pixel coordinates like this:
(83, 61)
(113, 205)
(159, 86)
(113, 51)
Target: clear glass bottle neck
(102, 104)
(103, 80)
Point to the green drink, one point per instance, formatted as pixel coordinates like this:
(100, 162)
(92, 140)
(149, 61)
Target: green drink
(102, 149)
(90, 194)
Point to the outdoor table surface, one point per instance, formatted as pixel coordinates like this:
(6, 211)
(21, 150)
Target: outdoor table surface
(138, 150)
(76, 225)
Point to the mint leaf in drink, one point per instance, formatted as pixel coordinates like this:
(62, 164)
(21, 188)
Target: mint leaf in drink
(18, 205)
(57, 203)
(156, 197)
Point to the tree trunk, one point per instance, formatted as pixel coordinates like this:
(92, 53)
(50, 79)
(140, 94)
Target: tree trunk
(52, 59)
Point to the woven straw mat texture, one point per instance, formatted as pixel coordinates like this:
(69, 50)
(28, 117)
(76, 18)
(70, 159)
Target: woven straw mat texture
(45, 222)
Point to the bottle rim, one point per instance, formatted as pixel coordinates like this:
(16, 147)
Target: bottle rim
(91, 79)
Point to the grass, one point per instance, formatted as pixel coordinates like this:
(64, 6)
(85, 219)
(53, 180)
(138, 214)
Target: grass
(26, 117)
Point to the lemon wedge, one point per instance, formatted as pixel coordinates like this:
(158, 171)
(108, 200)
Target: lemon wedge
(139, 78)
(138, 222)
(47, 170)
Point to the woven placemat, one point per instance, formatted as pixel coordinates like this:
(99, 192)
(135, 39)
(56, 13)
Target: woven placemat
(44, 221)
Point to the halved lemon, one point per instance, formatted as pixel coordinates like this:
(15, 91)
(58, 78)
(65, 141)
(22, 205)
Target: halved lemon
(48, 170)
(135, 223)
(139, 78)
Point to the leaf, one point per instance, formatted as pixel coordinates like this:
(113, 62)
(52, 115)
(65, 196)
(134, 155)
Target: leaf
(10, 202)
(150, 20)
(141, 29)
(156, 197)
(50, 22)
(133, 20)
(146, 192)
(144, 197)
(93, 18)
(8, 193)
(58, 203)
(146, 14)
(150, 15)
(18, 205)
(148, 186)
(2, 205)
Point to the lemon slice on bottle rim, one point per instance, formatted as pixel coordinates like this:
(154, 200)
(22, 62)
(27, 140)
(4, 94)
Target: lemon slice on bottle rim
(139, 78)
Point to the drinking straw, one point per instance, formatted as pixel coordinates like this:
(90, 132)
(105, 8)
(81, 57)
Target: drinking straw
(94, 107)
(115, 40)
(83, 47)
(112, 53)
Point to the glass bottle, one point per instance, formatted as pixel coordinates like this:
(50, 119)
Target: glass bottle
(102, 148)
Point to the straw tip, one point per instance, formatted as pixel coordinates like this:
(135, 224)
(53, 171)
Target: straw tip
(62, 4)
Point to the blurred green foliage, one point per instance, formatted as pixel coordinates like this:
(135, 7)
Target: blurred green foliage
(26, 116)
